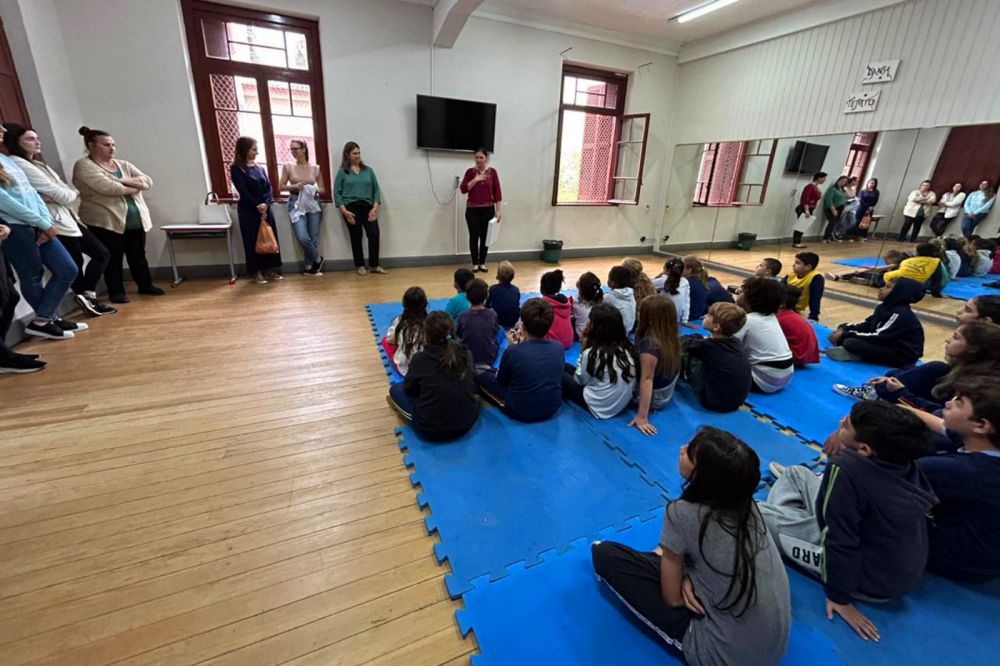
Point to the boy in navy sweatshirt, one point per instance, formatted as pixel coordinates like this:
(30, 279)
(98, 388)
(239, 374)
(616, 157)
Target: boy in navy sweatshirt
(504, 297)
(965, 475)
(528, 385)
(892, 335)
(862, 527)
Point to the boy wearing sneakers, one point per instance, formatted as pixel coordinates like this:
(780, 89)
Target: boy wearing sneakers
(808, 280)
(862, 527)
(459, 303)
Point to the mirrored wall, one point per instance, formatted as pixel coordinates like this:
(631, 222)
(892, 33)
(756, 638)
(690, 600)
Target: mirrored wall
(737, 203)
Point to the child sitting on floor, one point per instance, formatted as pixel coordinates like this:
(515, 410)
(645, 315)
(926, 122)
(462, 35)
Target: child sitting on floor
(605, 374)
(705, 290)
(622, 296)
(438, 395)
(562, 325)
(809, 282)
(672, 283)
(800, 335)
(771, 359)
(872, 277)
(891, 336)
(588, 294)
(659, 358)
(642, 286)
(768, 267)
(528, 385)
(965, 526)
(715, 588)
(459, 303)
(980, 308)
(717, 368)
(478, 327)
(862, 528)
(504, 297)
(405, 336)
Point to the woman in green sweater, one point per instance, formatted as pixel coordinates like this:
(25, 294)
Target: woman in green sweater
(357, 195)
(834, 200)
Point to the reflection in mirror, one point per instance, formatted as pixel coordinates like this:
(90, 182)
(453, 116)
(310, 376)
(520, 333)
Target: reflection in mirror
(686, 225)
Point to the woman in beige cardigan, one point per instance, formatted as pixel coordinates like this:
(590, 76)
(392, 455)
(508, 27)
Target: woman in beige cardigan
(111, 204)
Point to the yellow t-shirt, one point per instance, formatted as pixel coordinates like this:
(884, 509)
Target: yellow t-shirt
(920, 269)
(802, 283)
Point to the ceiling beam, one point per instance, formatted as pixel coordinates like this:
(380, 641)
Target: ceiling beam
(449, 19)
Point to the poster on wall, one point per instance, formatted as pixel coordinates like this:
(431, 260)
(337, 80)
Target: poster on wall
(862, 102)
(880, 72)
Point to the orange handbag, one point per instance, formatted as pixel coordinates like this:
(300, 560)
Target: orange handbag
(267, 242)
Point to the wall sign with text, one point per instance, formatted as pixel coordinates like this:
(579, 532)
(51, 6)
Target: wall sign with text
(880, 72)
(862, 102)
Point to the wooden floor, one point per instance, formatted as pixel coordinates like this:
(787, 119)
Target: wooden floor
(211, 476)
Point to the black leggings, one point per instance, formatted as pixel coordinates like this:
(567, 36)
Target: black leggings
(362, 225)
(478, 221)
(908, 222)
(939, 223)
(130, 245)
(86, 245)
(8, 303)
(831, 223)
(635, 577)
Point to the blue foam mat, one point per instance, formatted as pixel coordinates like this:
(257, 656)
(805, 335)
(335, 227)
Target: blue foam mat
(961, 289)
(677, 423)
(861, 262)
(557, 612)
(508, 491)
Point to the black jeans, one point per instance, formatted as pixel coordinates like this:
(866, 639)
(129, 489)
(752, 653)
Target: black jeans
(130, 245)
(911, 222)
(86, 245)
(362, 225)
(478, 221)
(635, 578)
(9, 299)
(831, 222)
(872, 352)
(939, 223)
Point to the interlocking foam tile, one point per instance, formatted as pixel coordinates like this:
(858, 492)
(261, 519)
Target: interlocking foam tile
(861, 262)
(558, 612)
(507, 491)
(677, 423)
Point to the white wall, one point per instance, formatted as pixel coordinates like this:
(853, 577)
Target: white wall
(795, 85)
(130, 76)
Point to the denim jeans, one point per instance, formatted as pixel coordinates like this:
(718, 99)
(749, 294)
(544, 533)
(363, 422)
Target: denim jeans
(307, 232)
(30, 260)
(969, 224)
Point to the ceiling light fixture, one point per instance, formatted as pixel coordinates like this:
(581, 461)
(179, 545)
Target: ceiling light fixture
(701, 10)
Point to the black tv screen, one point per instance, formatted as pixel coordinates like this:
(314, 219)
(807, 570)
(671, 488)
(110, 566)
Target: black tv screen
(454, 124)
(806, 157)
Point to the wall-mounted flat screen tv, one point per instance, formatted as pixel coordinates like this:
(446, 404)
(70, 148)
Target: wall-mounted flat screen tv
(806, 157)
(454, 124)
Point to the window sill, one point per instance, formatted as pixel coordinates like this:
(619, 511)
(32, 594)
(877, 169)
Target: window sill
(580, 204)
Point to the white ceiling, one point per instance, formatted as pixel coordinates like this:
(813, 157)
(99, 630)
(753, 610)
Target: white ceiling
(645, 23)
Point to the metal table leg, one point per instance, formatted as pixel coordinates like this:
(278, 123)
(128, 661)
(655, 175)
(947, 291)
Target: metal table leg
(173, 261)
(229, 248)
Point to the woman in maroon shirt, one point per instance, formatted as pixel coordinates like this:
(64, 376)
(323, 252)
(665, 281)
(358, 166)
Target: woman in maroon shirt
(807, 206)
(482, 184)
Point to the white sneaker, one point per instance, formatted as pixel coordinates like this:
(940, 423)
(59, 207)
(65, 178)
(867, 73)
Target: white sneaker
(776, 469)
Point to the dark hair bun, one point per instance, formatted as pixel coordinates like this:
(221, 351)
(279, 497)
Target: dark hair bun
(84, 130)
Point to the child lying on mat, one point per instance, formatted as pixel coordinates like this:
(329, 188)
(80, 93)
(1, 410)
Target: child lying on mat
(965, 526)
(717, 368)
(872, 277)
(604, 378)
(659, 350)
(715, 588)
(405, 336)
(438, 396)
(862, 527)
(528, 385)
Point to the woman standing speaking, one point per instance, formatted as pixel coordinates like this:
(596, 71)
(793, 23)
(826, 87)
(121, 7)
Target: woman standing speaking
(482, 184)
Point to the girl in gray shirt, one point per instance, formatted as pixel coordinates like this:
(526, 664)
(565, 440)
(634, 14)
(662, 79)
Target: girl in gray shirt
(715, 588)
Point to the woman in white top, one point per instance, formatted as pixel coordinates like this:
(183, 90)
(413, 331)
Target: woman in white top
(672, 283)
(771, 362)
(304, 183)
(917, 206)
(951, 206)
(605, 375)
(26, 150)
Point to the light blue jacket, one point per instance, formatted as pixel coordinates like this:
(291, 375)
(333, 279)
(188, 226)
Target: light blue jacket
(19, 202)
(976, 203)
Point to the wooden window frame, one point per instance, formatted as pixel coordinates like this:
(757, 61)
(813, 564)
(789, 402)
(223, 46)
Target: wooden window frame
(621, 81)
(704, 187)
(767, 173)
(867, 150)
(619, 144)
(202, 67)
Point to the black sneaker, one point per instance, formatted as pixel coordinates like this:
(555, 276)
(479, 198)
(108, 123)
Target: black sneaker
(48, 330)
(71, 326)
(16, 364)
(33, 357)
(103, 309)
(318, 268)
(86, 305)
(118, 298)
(151, 291)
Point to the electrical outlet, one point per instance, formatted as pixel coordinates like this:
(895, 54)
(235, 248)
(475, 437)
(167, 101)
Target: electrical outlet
(456, 182)
(642, 239)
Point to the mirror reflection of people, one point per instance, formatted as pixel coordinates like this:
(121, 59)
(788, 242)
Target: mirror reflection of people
(950, 207)
(867, 198)
(918, 203)
(977, 207)
(810, 197)
(851, 189)
(834, 200)
(482, 184)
